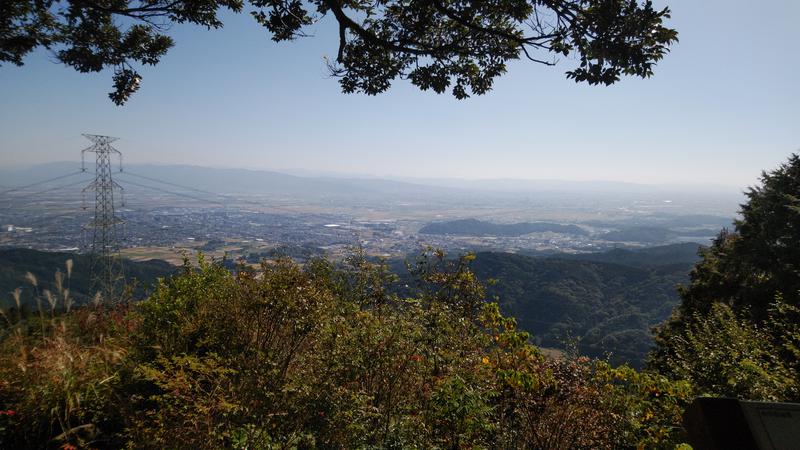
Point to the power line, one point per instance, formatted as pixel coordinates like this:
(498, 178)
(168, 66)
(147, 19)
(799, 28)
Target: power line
(165, 191)
(31, 194)
(19, 188)
(189, 188)
(17, 197)
(169, 183)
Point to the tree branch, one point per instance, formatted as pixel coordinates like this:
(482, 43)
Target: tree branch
(521, 41)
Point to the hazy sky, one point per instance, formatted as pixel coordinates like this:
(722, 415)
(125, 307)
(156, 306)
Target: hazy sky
(721, 107)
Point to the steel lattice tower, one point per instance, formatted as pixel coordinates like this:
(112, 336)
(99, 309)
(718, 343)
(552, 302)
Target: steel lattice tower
(104, 252)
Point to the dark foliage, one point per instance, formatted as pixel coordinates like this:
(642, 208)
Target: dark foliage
(438, 45)
(604, 306)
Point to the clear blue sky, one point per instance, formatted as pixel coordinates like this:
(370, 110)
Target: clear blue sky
(724, 105)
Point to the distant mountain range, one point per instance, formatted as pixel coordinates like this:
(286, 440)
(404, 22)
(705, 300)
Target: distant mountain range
(473, 227)
(227, 181)
(245, 181)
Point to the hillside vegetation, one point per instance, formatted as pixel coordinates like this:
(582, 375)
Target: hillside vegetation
(315, 357)
(605, 303)
(685, 254)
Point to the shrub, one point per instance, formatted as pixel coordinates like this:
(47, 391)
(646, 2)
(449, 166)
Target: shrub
(319, 356)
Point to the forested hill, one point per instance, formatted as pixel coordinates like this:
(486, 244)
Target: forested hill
(15, 263)
(473, 227)
(607, 301)
(683, 253)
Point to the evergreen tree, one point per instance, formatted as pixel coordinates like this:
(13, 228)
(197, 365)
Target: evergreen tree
(740, 307)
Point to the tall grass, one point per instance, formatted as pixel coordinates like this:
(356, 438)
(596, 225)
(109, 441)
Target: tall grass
(58, 367)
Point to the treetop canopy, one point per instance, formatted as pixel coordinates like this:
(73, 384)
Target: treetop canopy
(441, 45)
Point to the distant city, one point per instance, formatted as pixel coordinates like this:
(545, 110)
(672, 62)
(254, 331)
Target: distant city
(180, 210)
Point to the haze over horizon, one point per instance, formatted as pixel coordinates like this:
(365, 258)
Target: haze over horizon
(713, 113)
(478, 183)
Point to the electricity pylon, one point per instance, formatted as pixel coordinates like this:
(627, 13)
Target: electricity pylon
(104, 253)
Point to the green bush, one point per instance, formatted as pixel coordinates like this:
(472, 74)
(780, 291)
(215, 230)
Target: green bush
(319, 356)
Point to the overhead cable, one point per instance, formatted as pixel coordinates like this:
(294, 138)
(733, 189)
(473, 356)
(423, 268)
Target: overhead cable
(19, 188)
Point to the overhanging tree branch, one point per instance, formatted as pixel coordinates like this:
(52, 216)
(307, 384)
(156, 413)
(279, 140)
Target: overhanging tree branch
(436, 44)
